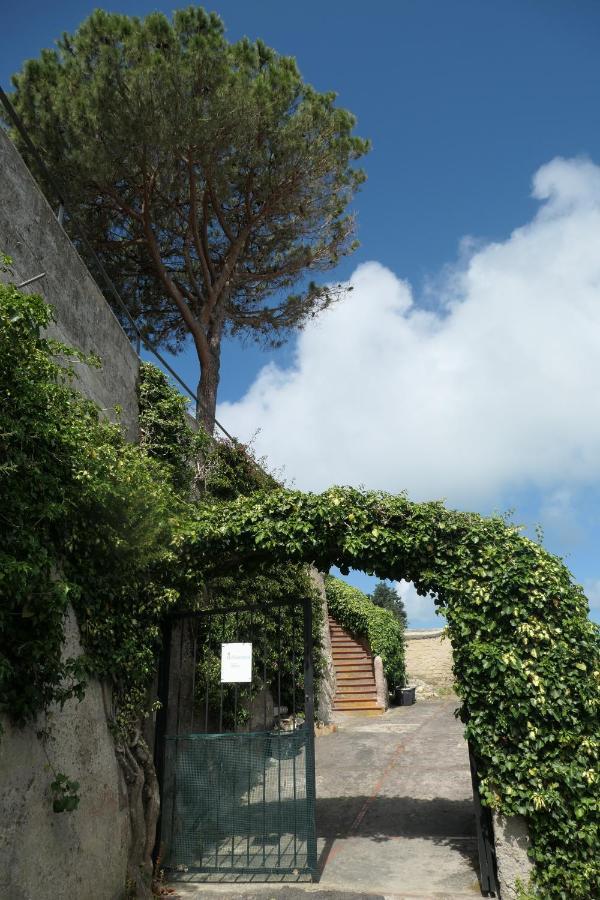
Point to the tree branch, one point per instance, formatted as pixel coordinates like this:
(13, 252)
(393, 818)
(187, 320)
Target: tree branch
(193, 224)
(173, 291)
(219, 212)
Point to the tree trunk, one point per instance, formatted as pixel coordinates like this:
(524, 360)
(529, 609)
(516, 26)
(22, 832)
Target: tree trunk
(206, 396)
(144, 805)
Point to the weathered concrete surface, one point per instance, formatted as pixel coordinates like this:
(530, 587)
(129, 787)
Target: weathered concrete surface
(285, 892)
(82, 853)
(50, 856)
(511, 838)
(381, 685)
(429, 663)
(31, 235)
(395, 815)
(326, 690)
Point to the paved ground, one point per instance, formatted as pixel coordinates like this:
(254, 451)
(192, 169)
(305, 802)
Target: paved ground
(394, 813)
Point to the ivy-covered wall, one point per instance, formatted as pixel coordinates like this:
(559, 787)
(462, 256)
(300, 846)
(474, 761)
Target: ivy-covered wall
(110, 528)
(44, 854)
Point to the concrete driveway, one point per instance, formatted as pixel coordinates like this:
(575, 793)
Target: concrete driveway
(394, 813)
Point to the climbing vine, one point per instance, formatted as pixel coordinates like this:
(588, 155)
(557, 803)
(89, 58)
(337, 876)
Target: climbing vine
(88, 520)
(526, 655)
(380, 627)
(108, 528)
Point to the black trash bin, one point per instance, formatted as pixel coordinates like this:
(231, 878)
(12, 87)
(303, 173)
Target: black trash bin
(405, 696)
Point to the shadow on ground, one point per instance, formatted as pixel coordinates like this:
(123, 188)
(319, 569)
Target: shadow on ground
(449, 823)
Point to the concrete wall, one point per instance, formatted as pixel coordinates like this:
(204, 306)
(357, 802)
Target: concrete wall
(326, 689)
(46, 855)
(511, 839)
(80, 854)
(30, 233)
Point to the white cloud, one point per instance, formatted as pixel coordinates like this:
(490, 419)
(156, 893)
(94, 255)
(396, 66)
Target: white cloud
(497, 387)
(420, 611)
(591, 589)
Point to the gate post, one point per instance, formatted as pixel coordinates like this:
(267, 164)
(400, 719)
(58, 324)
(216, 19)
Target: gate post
(164, 677)
(485, 835)
(309, 718)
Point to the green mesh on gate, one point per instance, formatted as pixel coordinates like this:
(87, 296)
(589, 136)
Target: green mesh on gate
(238, 803)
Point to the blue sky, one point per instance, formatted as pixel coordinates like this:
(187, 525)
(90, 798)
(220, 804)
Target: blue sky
(464, 102)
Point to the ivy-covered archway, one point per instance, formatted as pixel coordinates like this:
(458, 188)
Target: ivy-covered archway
(526, 656)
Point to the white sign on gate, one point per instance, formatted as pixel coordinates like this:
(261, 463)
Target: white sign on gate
(236, 662)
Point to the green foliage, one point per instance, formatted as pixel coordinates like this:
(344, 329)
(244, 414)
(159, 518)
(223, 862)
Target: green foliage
(88, 521)
(65, 794)
(199, 464)
(356, 611)
(210, 178)
(164, 431)
(526, 655)
(95, 522)
(386, 597)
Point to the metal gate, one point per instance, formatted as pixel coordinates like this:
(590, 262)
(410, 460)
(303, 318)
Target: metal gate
(235, 757)
(485, 836)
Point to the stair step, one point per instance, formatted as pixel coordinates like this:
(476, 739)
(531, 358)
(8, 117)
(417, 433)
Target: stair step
(360, 713)
(345, 642)
(352, 690)
(351, 655)
(355, 674)
(345, 660)
(340, 648)
(355, 704)
(359, 665)
(356, 698)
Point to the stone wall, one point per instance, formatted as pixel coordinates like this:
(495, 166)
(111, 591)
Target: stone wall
(80, 854)
(429, 662)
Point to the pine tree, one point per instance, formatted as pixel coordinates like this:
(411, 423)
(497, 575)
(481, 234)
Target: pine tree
(386, 597)
(211, 179)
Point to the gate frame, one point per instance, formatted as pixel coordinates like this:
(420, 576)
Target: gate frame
(486, 849)
(160, 733)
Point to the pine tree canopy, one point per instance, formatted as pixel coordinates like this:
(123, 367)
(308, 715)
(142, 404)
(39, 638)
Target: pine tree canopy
(210, 178)
(386, 597)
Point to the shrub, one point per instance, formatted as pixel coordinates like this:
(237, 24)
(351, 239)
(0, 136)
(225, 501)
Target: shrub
(380, 627)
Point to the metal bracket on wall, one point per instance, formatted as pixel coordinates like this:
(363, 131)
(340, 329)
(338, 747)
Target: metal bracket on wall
(31, 280)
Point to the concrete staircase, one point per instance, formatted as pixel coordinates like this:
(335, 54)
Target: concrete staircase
(356, 691)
